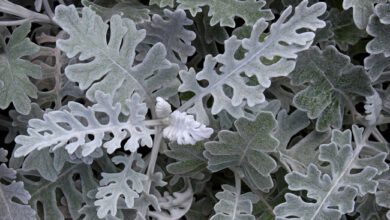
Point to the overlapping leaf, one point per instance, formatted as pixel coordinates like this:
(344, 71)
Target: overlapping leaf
(115, 185)
(189, 158)
(13, 197)
(172, 33)
(362, 9)
(67, 128)
(15, 72)
(229, 74)
(224, 11)
(162, 3)
(350, 174)
(234, 206)
(345, 31)
(73, 183)
(332, 78)
(379, 28)
(113, 69)
(134, 10)
(248, 149)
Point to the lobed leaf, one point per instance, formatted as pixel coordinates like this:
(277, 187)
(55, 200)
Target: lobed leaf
(67, 128)
(283, 41)
(234, 206)
(248, 149)
(13, 197)
(224, 11)
(350, 174)
(171, 32)
(128, 183)
(332, 78)
(113, 69)
(16, 86)
(380, 31)
(362, 9)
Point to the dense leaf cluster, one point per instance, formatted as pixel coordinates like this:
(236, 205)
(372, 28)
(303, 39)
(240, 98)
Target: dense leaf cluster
(195, 109)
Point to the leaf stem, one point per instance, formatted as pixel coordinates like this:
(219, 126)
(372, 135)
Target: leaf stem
(238, 192)
(27, 15)
(153, 157)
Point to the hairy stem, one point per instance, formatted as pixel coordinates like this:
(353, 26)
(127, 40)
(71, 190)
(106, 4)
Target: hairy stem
(27, 15)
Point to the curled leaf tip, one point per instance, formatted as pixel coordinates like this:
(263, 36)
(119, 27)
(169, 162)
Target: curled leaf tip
(185, 130)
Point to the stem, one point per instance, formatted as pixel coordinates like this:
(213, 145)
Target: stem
(48, 9)
(157, 122)
(27, 15)
(238, 192)
(12, 23)
(57, 75)
(152, 164)
(377, 134)
(153, 157)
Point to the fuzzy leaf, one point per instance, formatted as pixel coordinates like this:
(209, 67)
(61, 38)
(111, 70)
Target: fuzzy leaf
(331, 77)
(3, 155)
(334, 193)
(115, 185)
(383, 12)
(15, 71)
(185, 130)
(248, 149)
(345, 31)
(64, 128)
(112, 70)
(229, 74)
(162, 3)
(376, 64)
(173, 206)
(171, 32)
(134, 10)
(224, 11)
(381, 33)
(362, 9)
(233, 206)
(189, 159)
(382, 195)
(74, 182)
(9, 209)
(373, 107)
(10, 193)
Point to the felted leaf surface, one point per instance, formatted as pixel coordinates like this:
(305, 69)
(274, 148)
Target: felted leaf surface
(189, 159)
(73, 183)
(113, 69)
(334, 193)
(331, 77)
(162, 3)
(234, 206)
(345, 31)
(362, 9)
(229, 74)
(383, 12)
(64, 128)
(224, 11)
(247, 149)
(128, 183)
(3, 155)
(376, 65)
(13, 197)
(381, 33)
(171, 32)
(15, 71)
(382, 195)
(134, 10)
(173, 206)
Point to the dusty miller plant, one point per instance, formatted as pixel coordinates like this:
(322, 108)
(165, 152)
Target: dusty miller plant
(194, 109)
